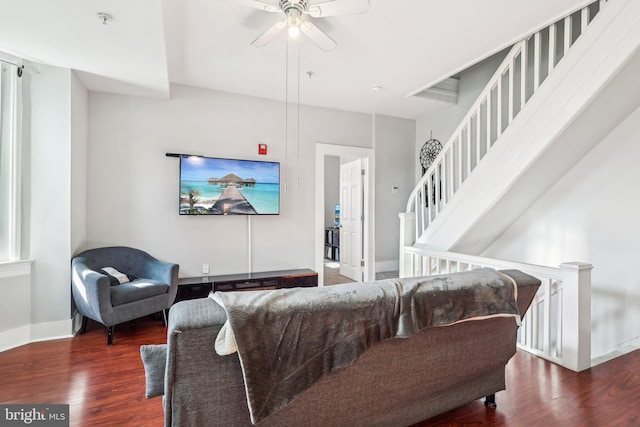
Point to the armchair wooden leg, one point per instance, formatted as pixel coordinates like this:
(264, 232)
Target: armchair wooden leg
(83, 327)
(110, 335)
(164, 317)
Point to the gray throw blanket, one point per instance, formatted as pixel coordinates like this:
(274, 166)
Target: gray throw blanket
(289, 338)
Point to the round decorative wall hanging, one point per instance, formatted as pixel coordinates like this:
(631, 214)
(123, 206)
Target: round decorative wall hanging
(428, 152)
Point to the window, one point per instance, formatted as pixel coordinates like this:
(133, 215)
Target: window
(10, 150)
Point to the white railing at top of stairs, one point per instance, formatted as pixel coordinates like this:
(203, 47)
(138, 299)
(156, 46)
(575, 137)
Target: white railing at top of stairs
(519, 76)
(557, 325)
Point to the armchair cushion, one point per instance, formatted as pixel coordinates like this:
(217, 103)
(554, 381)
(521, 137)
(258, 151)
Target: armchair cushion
(137, 290)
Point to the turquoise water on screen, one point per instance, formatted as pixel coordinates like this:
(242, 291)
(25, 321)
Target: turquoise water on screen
(265, 198)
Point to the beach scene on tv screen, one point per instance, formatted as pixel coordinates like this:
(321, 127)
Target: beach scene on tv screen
(211, 186)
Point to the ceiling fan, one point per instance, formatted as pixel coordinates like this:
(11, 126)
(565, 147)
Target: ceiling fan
(294, 10)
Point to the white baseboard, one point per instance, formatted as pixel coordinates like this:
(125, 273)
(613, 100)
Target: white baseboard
(51, 330)
(622, 349)
(392, 265)
(14, 337)
(34, 333)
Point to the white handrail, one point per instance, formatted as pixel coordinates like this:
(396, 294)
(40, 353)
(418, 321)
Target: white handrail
(499, 103)
(558, 323)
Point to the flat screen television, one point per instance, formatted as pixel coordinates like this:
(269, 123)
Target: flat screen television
(215, 186)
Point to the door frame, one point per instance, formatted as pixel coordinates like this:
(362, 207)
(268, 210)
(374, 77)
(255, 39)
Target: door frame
(368, 159)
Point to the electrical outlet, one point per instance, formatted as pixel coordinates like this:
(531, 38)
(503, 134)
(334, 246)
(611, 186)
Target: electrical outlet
(205, 268)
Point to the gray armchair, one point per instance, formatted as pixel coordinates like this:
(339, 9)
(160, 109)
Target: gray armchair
(152, 289)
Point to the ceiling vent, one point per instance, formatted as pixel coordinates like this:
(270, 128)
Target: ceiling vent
(446, 91)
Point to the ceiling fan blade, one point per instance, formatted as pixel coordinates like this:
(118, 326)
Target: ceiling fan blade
(268, 5)
(268, 35)
(320, 9)
(319, 37)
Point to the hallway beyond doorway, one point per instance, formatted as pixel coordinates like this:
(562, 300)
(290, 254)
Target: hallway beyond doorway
(332, 274)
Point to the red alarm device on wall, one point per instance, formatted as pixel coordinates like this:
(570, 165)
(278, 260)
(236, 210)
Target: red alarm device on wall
(262, 149)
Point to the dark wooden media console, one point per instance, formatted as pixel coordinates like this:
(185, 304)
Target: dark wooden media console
(199, 287)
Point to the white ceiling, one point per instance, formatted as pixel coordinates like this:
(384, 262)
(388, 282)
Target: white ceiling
(401, 45)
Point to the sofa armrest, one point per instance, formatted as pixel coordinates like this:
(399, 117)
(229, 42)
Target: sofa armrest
(192, 330)
(159, 360)
(195, 314)
(527, 288)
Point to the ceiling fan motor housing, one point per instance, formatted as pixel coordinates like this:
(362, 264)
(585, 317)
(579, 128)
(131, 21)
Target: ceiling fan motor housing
(292, 6)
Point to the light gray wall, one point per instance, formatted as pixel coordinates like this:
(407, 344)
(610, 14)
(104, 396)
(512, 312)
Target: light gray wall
(443, 123)
(97, 174)
(591, 214)
(394, 139)
(133, 188)
(15, 310)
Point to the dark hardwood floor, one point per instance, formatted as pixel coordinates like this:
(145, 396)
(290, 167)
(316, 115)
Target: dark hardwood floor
(104, 386)
(540, 393)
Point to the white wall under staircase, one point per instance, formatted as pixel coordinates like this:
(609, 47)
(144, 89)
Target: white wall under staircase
(592, 214)
(568, 115)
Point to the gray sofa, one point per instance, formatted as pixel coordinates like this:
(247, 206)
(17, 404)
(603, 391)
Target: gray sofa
(395, 382)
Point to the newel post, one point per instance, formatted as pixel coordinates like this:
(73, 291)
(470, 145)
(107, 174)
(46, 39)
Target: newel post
(576, 316)
(407, 238)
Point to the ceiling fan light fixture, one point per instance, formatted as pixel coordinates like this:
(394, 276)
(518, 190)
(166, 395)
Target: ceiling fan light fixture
(294, 31)
(293, 22)
(293, 11)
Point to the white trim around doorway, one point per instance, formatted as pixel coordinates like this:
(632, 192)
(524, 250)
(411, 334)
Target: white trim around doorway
(368, 156)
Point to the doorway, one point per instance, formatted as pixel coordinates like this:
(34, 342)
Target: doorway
(365, 156)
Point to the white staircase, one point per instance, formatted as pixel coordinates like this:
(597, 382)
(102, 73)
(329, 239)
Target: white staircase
(524, 131)
(556, 95)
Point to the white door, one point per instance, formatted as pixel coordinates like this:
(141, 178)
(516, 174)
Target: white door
(351, 220)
